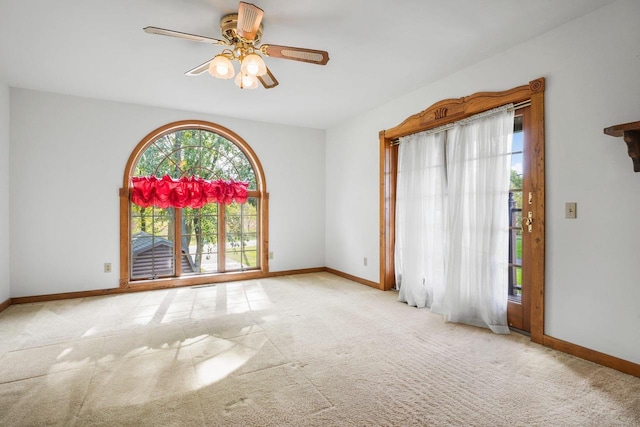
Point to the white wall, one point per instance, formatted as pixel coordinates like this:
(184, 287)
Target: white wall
(68, 157)
(592, 69)
(5, 288)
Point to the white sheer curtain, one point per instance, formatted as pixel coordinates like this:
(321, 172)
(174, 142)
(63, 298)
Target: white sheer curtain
(479, 164)
(420, 220)
(451, 250)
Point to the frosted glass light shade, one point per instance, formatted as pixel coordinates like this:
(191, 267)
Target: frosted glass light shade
(221, 67)
(246, 81)
(253, 65)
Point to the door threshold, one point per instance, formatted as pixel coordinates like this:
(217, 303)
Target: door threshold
(520, 331)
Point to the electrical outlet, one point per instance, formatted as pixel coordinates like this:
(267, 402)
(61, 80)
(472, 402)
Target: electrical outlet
(365, 261)
(107, 267)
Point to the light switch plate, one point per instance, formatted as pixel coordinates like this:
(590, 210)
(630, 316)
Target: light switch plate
(570, 210)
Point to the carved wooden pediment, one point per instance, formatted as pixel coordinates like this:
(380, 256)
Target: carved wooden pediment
(451, 110)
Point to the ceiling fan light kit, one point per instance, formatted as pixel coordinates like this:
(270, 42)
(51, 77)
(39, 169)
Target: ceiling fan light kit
(242, 32)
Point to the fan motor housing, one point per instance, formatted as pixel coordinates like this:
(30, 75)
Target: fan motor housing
(228, 27)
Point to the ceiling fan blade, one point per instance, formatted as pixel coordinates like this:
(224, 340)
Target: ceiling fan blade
(199, 69)
(163, 32)
(312, 56)
(268, 80)
(249, 19)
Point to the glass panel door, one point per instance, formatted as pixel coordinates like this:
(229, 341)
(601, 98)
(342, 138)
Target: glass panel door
(518, 311)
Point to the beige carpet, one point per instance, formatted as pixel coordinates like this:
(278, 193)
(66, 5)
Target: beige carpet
(294, 351)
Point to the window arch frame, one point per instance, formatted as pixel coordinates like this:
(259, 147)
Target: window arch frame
(260, 192)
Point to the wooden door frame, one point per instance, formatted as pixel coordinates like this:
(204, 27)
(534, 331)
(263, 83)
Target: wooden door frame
(449, 111)
(519, 312)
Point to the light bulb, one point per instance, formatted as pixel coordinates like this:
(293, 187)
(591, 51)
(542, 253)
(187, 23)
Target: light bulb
(253, 65)
(253, 69)
(245, 81)
(221, 67)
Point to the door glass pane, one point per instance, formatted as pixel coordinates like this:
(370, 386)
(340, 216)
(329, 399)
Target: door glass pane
(515, 214)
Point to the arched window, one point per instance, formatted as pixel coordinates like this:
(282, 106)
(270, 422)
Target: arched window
(193, 208)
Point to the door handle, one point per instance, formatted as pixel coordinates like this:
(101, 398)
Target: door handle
(528, 221)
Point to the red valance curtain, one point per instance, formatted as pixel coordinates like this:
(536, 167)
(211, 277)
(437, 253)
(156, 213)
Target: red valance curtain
(185, 192)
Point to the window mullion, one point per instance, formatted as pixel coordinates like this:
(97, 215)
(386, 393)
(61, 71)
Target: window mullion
(177, 241)
(222, 239)
(242, 245)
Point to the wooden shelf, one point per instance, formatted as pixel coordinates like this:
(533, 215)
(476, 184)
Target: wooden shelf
(631, 134)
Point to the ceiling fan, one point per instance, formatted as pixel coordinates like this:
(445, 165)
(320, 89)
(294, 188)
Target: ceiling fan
(242, 33)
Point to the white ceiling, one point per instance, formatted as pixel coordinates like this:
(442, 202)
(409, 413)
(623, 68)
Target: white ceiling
(97, 49)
